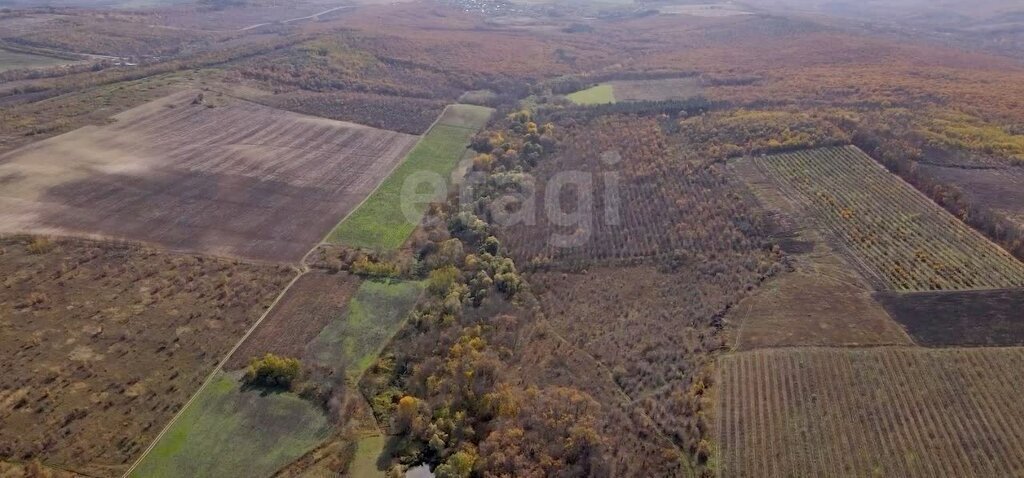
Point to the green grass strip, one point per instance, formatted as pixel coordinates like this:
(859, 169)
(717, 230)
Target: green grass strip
(383, 222)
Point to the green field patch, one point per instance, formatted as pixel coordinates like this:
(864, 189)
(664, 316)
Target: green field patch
(374, 314)
(596, 95)
(14, 60)
(229, 432)
(364, 464)
(387, 218)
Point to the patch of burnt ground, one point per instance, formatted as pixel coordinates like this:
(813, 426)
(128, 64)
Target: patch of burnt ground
(972, 318)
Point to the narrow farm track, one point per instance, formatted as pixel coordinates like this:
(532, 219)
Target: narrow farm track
(900, 236)
(888, 411)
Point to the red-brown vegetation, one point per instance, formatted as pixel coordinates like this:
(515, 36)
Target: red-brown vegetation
(646, 201)
(402, 114)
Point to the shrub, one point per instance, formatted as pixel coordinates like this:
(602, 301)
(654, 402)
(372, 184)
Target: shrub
(40, 245)
(450, 252)
(491, 245)
(272, 371)
(441, 280)
(508, 283)
(459, 465)
(364, 266)
(467, 226)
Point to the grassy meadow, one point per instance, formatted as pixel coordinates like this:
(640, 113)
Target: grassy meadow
(229, 431)
(596, 95)
(13, 60)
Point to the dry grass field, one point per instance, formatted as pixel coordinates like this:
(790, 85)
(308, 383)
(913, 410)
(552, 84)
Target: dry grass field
(656, 90)
(310, 304)
(897, 235)
(991, 187)
(33, 469)
(871, 412)
(218, 176)
(102, 343)
(824, 304)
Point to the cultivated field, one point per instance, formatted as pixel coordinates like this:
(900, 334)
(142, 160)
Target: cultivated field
(232, 430)
(402, 114)
(374, 314)
(989, 187)
(388, 217)
(901, 238)
(311, 303)
(871, 412)
(214, 175)
(103, 343)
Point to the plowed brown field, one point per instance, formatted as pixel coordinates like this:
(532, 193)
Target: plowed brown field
(220, 176)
